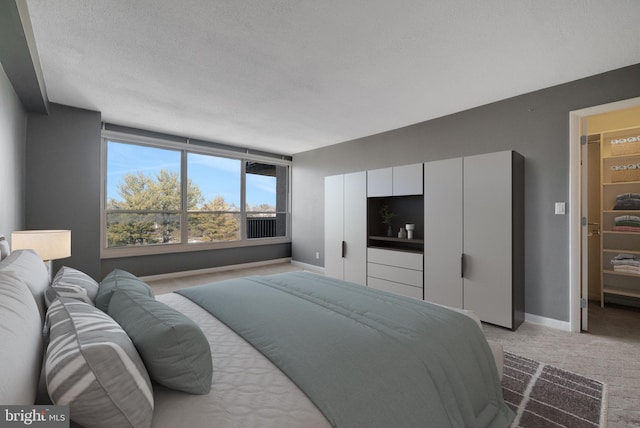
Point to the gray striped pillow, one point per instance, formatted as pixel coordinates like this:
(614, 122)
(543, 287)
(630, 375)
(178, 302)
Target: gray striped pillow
(92, 366)
(70, 282)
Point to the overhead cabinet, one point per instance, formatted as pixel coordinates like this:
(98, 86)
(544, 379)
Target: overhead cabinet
(345, 231)
(397, 181)
(474, 235)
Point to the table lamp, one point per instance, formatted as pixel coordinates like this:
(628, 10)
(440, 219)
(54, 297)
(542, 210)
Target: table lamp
(48, 244)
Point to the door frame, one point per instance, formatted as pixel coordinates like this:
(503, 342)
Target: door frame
(575, 202)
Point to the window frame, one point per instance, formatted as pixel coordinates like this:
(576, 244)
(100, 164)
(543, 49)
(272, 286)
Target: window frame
(186, 147)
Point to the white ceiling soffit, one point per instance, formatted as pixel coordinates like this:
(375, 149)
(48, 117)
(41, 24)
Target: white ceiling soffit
(290, 76)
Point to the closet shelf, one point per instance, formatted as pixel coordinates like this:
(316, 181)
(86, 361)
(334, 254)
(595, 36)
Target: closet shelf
(392, 239)
(616, 250)
(615, 232)
(616, 151)
(621, 292)
(616, 272)
(628, 155)
(620, 183)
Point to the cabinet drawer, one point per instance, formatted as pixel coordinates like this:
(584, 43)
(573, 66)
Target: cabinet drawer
(394, 287)
(395, 258)
(395, 274)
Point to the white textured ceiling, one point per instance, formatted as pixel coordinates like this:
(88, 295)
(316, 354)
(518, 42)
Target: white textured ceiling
(290, 76)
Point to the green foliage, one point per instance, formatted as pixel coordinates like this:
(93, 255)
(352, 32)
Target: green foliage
(150, 212)
(126, 229)
(386, 214)
(140, 192)
(213, 225)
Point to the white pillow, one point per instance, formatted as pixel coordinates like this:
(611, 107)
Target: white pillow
(70, 282)
(20, 342)
(28, 266)
(4, 247)
(93, 367)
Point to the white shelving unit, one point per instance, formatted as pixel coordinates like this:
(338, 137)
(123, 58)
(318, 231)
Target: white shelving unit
(614, 242)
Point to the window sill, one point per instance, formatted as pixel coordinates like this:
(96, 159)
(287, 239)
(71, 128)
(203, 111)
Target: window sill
(114, 253)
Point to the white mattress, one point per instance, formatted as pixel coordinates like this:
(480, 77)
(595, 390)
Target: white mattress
(247, 389)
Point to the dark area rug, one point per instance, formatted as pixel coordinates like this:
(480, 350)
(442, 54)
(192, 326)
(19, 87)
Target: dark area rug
(545, 396)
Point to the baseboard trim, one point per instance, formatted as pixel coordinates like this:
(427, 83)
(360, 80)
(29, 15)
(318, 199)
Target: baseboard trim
(172, 275)
(309, 267)
(548, 322)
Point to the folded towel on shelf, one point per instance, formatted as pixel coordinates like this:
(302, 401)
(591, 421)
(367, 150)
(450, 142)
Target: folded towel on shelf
(629, 223)
(622, 196)
(627, 269)
(627, 262)
(624, 256)
(627, 204)
(625, 228)
(626, 218)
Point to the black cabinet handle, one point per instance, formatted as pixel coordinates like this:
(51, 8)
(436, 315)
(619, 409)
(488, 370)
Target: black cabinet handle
(344, 249)
(462, 265)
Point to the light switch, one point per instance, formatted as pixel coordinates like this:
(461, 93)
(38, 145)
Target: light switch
(560, 208)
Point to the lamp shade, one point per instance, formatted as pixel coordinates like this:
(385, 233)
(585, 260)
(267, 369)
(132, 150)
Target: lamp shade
(49, 244)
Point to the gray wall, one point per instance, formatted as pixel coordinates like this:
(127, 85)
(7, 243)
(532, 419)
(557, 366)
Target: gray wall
(178, 262)
(13, 131)
(63, 180)
(534, 124)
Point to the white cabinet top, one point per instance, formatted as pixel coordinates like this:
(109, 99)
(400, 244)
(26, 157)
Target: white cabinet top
(407, 180)
(396, 181)
(380, 182)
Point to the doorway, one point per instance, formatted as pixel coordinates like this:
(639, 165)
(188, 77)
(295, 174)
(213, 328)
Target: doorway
(591, 219)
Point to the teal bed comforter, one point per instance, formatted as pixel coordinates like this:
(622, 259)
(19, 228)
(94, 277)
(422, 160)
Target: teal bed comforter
(366, 358)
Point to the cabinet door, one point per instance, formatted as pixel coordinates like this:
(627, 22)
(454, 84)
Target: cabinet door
(443, 232)
(355, 227)
(407, 180)
(380, 182)
(333, 225)
(488, 237)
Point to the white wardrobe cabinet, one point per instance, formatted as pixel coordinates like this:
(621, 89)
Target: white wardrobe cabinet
(474, 235)
(397, 181)
(345, 229)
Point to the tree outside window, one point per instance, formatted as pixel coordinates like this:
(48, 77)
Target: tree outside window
(148, 204)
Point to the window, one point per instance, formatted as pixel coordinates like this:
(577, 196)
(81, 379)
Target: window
(143, 195)
(266, 201)
(161, 198)
(214, 198)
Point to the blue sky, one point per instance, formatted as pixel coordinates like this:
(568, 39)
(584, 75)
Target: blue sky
(214, 175)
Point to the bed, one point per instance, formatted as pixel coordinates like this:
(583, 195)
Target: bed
(232, 371)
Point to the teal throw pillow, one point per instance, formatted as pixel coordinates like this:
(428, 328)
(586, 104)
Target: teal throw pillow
(119, 280)
(173, 348)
